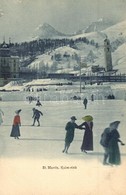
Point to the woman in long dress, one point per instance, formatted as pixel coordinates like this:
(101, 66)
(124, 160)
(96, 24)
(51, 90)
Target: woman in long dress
(16, 123)
(113, 147)
(87, 143)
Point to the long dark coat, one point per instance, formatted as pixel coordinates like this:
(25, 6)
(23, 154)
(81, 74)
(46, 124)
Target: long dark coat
(114, 152)
(87, 143)
(85, 102)
(70, 128)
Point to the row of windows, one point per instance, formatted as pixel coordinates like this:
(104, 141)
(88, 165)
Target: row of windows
(13, 67)
(9, 60)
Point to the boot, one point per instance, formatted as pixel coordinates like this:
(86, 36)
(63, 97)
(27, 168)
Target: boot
(105, 159)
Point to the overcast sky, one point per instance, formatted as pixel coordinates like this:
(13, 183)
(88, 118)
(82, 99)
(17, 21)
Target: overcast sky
(19, 18)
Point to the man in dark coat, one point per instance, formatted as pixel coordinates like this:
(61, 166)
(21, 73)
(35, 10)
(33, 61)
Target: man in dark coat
(105, 137)
(36, 116)
(70, 127)
(85, 102)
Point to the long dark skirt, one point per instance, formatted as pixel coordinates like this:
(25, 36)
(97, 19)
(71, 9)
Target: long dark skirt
(114, 153)
(87, 143)
(15, 132)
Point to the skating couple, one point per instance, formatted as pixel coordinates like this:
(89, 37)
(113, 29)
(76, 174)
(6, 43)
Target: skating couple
(87, 143)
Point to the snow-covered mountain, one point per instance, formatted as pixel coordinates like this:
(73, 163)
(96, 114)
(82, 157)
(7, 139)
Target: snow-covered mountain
(65, 57)
(114, 32)
(46, 31)
(99, 25)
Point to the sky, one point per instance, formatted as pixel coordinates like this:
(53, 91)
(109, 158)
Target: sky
(19, 18)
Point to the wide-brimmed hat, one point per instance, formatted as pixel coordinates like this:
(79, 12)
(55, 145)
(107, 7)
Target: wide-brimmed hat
(18, 111)
(114, 125)
(73, 118)
(87, 118)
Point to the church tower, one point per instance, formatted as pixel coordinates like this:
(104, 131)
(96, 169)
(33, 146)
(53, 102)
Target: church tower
(107, 54)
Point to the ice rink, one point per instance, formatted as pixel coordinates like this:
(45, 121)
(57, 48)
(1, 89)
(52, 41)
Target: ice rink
(35, 164)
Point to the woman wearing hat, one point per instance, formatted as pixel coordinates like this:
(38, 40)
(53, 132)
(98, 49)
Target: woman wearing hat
(87, 143)
(114, 152)
(16, 123)
(70, 128)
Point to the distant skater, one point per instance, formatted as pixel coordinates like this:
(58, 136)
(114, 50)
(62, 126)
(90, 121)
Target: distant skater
(38, 103)
(92, 97)
(16, 123)
(87, 143)
(85, 101)
(1, 116)
(36, 116)
(70, 128)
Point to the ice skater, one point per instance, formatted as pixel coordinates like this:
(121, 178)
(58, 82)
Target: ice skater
(85, 101)
(109, 140)
(87, 143)
(15, 132)
(36, 116)
(38, 103)
(114, 152)
(104, 142)
(70, 128)
(92, 97)
(1, 116)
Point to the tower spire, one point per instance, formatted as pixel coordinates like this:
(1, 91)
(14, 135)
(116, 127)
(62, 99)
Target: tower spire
(4, 39)
(9, 40)
(108, 56)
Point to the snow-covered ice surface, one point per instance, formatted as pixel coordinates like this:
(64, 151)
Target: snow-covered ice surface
(24, 163)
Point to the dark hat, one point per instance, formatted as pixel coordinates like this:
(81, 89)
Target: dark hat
(114, 124)
(73, 118)
(18, 111)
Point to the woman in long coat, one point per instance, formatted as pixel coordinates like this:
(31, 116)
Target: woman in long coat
(16, 123)
(70, 128)
(87, 143)
(114, 152)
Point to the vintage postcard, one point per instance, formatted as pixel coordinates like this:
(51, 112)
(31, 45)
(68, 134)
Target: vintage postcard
(62, 97)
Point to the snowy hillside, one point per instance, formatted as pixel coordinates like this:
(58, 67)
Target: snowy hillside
(99, 25)
(119, 58)
(116, 31)
(64, 59)
(40, 62)
(59, 59)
